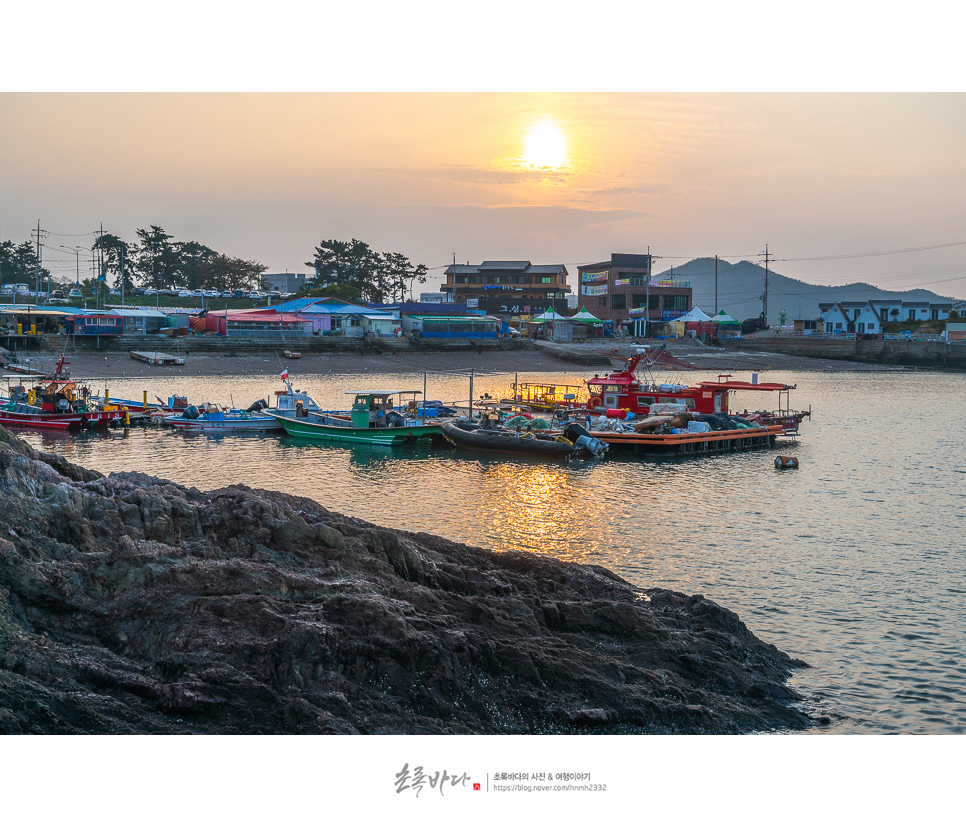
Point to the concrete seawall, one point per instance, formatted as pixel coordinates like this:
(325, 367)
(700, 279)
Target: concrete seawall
(874, 351)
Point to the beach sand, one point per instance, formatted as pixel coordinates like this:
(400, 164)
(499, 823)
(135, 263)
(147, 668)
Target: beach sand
(519, 357)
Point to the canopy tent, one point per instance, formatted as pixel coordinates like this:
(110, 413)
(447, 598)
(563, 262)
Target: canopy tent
(585, 317)
(549, 315)
(724, 318)
(695, 314)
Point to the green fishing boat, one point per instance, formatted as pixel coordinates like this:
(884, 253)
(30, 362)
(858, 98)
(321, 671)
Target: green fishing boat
(374, 420)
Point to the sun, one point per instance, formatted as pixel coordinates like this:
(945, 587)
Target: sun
(545, 147)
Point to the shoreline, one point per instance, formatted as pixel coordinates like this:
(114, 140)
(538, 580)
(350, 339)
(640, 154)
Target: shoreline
(525, 359)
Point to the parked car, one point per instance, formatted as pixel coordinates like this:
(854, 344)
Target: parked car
(75, 293)
(227, 294)
(238, 294)
(254, 295)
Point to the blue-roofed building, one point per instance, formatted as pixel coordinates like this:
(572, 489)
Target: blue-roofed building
(341, 318)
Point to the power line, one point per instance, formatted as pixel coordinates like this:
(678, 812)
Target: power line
(881, 252)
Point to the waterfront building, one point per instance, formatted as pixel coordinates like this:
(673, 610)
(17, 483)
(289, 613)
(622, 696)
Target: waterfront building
(870, 316)
(623, 292)
(508, 289)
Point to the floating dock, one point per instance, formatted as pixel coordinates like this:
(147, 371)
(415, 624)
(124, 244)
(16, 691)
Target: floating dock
(683, 445)
(154, 358)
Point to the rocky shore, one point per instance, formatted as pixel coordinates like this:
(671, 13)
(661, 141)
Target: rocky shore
(130, 604)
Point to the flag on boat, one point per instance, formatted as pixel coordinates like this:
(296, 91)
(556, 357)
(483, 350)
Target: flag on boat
(285, 374)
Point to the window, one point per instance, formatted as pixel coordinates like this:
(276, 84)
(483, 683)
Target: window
(638, 300)
(634, 279)
(620, 301)
(546, 279)
(602, 302)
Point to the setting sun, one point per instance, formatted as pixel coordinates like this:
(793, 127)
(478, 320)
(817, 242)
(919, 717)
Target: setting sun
(545, 147)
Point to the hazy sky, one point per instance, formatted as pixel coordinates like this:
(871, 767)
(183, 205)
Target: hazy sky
(267, 176)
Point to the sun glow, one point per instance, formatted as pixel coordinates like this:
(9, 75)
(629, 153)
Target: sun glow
(545, 147)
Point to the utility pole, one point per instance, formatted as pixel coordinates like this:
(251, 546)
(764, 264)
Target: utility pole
(122, 274)
(716, 285)
(764, 297)
(647, 298)
(37, 288)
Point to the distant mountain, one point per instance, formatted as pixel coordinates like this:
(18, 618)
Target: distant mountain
(741, 285)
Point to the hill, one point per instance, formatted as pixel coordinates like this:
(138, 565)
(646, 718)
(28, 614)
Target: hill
(740, 287)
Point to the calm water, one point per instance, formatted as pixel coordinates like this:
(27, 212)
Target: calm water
(854, 562)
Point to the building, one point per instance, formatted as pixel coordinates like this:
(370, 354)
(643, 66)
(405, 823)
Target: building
(284, 282)
(508, 289)
(332, 316)
(622, 291)
(870, 316)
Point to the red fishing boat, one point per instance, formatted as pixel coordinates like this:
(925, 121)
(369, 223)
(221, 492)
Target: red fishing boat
(53, 402)
(624, 391)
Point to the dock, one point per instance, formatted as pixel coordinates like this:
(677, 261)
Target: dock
(685, 445)
(155, 358)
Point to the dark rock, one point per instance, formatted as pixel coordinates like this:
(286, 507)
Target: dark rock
(129, 604)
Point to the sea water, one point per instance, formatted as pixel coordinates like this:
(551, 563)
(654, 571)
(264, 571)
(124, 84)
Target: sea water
(854, 562)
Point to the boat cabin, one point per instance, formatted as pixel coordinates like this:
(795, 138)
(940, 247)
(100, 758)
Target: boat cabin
(295, 403)
(624, 390)
(546, 397)
(376, 409)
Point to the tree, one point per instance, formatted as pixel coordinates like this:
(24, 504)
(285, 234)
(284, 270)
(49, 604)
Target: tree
(417, 276)
(375, 277)
(18, 264)
(345, 292)
(233, 273)
(154, 257)
(114, 252)
(191, 265)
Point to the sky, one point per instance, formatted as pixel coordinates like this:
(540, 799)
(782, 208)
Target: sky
(841, 186)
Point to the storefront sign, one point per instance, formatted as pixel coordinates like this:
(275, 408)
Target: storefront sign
(594, 277)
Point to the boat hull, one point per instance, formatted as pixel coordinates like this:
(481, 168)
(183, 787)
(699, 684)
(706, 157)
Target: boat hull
(229, 424)
(52, 420)
(482, 440)
(312, 427)
(39, 421)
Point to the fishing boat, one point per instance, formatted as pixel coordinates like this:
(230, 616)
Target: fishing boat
(35, 402)
(290, 402)
(214, 418)
(19, 415)
(624, 392)
(573, 441)
(373, 420)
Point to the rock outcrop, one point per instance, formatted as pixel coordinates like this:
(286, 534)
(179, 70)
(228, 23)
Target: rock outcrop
(129, 604)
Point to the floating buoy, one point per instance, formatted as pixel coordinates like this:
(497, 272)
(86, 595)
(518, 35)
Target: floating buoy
(786, 462)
